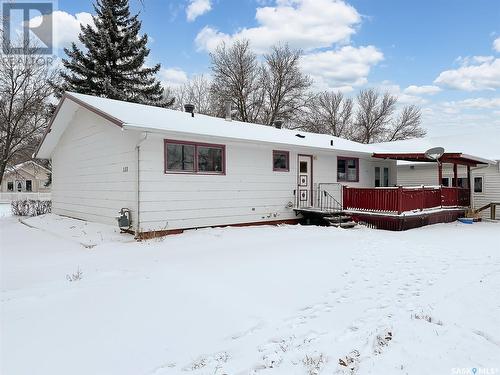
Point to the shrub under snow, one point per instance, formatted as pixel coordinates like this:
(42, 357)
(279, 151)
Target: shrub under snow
(30, 207)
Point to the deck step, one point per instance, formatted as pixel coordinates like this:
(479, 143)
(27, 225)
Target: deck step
(347, 224)
(337, 218)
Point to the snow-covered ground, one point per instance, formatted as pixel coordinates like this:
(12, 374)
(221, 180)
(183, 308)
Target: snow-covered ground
(257, 300)
(5, 210)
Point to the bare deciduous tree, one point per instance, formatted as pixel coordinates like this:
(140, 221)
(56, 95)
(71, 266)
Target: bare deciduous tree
(24, 113)
(237, 77)
(284, 84)
(196, 91)
(373, 115)
(330, 113)
(407, 125)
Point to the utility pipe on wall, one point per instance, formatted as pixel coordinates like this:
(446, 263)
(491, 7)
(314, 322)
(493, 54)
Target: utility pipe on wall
(138, 184)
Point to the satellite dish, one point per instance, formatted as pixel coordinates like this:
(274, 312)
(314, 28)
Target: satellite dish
(434, 153)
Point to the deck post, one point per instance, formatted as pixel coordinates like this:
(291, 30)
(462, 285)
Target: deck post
(455, 175)
(344, 196)
(400, 200)
(469, 184)
(440, 173)
(423, 198)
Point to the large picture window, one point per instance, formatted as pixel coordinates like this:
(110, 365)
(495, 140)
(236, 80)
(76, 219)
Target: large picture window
(347, 169)
(281, 161)
(191, 157)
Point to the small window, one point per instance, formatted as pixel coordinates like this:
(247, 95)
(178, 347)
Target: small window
(281, 160)
(29, 186)
(478, 184)
(377, 176)
(19, 186)
(347, 169)
(190, 157)
(303, 167)
(10, 186)
(445, 181)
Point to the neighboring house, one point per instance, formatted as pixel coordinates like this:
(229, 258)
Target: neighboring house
(177, 170)
(485, 179)
(27, 177)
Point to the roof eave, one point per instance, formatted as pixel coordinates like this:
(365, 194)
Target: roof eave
(140, 128)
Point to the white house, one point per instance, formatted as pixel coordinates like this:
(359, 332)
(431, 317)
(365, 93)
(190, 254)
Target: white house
(484, 179)
(176, 170)
(23, 179)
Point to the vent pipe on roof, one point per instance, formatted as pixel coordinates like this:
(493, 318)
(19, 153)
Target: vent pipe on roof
(227, 110)
(189, 108)
(278, 124)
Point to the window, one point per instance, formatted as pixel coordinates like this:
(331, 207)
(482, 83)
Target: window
(461, 182)
(281, 160)
(190, 157)
(303, 167)
(209, 159)
(347, 169)
(478, 184)
(10, 186)
(386, 176)
(19, 186)
(28, 185)
(377, 176)
(445, 181)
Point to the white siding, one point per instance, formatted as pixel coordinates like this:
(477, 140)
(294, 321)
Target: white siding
(249, 192)
(88, 179)
(427, 174)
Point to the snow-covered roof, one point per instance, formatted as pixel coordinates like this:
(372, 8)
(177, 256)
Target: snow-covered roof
(133, 116)
(485, 144)
(17, 167)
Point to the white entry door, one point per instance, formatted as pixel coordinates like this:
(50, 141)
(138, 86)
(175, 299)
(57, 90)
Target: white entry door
(304, 177)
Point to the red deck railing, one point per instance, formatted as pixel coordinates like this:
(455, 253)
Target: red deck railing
(401, 199)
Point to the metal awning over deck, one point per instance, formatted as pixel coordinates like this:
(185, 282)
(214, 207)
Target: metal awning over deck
(447, 157)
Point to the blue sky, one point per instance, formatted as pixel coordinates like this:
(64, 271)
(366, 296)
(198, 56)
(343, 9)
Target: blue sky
(441, 55)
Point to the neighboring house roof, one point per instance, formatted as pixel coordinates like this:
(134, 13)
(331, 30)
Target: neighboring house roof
(17, 167)
(141, 117)
(484, 144)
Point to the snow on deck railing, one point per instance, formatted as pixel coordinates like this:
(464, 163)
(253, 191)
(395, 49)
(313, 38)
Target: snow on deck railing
(403, 199)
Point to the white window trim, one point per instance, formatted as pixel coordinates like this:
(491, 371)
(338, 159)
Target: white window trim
(482, 184)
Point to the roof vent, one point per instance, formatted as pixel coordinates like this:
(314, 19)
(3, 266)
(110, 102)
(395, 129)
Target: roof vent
(189, 108)
(278, 124)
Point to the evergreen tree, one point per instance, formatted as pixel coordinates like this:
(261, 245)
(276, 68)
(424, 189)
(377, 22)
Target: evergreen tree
(113, 64)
